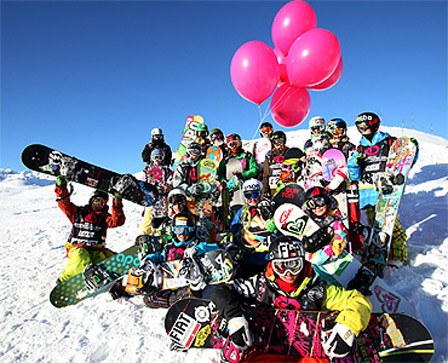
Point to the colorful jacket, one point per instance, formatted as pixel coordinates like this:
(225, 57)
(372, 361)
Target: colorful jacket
(248, 162)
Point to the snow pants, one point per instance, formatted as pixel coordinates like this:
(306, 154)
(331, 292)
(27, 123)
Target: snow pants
(79, 258)
(398, 250)
(145, 226)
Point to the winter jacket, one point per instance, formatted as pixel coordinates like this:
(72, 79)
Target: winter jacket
(309, 293)
(248, 162)
(186, 174)
(271, 169)
(373, 155)
(147, 150)
(89, 227)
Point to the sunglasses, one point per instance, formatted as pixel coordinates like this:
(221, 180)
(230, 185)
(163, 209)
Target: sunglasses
(254, 194)
(317, 129)
(282, 267)
(182, 230)
(99, 201)
(316, 202)
(266, 130)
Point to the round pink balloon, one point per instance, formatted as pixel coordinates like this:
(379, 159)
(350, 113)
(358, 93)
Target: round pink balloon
(290, 105)
(291, 21)
(313, 57)
(330, 81)
(282, 63)
(254, 71)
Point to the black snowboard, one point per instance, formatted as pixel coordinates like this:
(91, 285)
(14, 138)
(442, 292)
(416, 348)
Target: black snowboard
(195, 323)
(48, 161)
(290, 193)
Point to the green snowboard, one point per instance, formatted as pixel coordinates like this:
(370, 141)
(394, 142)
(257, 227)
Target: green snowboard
(73, 290)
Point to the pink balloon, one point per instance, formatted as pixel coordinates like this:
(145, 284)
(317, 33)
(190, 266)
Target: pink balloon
(282, 63)
(290, 105)
(291, 21)
(313, 57)
(254, 71)
(332, 80)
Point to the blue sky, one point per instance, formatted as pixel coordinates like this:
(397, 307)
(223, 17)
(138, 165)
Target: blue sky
(92, 78)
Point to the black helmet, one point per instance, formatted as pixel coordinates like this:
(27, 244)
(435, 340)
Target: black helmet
(287, 255)
(336, 128)
(266, 128)
(278, 137)
(368, 120)
(316, 197)
(194, 149)
(234, 141)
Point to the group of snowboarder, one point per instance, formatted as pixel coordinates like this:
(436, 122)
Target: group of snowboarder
(231, 207)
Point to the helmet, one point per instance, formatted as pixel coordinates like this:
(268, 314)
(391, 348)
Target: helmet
(157, 155)
(317, 123)
(183, 223)
(177, 195)
(337, 128)
(216, 133)
(266, 128)
(316, 197)
(202, 131)
(194, 149)
(368, 120)
(156, 134)
(287, 255)
(234, 141)
(278, 137)
(252, 189)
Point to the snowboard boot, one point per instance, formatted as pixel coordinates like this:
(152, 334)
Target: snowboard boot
(95, 277)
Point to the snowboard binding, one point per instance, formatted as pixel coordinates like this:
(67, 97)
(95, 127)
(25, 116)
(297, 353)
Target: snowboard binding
(96, 277)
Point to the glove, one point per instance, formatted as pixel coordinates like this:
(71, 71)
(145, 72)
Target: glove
(239, 332)
(338, 342)
(239, 175)
(190, 252)
(360, 160)
(60, 181)
(270, 225)
(118, 197)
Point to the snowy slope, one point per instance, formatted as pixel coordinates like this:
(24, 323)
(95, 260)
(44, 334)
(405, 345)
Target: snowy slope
(33, 232)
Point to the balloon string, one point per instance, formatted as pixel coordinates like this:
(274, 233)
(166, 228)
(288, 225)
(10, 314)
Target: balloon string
(261, 120)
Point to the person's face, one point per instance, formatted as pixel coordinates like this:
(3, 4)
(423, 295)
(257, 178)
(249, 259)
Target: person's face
(183, 237)
(98, 204)
(363, 128)
(320, 211)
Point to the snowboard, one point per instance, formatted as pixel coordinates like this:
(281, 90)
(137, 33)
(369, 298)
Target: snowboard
(334, 163)
(214, 153)
(188, 136)
(236, 196)
(313, 164)
(73, 290)
(49, 161)
(195, 323)
(392, 184)
(275, 168)
(290, 193)
(158, 176)
(262, 147)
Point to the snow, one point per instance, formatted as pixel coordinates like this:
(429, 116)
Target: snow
(33, 232)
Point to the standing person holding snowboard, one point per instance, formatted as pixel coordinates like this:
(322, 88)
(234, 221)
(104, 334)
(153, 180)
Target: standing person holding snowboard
(86, 244)
(366, 165)
(289, 282)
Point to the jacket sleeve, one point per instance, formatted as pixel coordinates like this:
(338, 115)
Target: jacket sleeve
(65, 205)
(168, 155)
(355, 309)
(252, 168)
(354, 170)
(204, 247)
(146, 153)
(117, 217)
(236, 222)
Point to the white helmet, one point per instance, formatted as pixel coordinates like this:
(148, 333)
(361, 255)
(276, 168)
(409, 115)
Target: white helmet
(156, 134)
(176, 192)
(317, 121)
(252, 185)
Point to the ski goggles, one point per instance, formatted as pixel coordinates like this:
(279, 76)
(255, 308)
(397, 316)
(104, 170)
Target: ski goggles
(202, 134)
(316, 202)
(217, 136)
(157, 137)
(178, 200)
(282, 267)
(317, 129)
(253, 194)
(182, 230)
(235, 144)
(266, 130)
(286, 175)
(157, 157)
(338, 132)
(194, 152)
(362, 125)
(99, 201)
